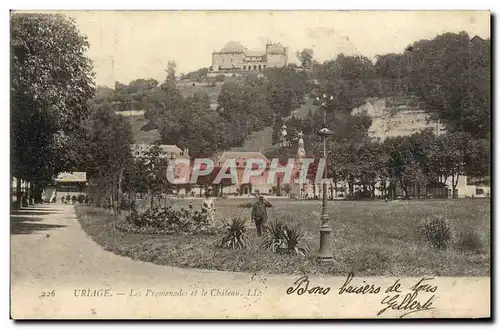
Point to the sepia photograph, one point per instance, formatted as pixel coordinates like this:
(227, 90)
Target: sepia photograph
(189, 164)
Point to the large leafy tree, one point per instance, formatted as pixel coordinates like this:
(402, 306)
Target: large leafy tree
(194, 126)
(108, 153)
(51, 83)
(305, 56)
(451, 75)
(155, 167)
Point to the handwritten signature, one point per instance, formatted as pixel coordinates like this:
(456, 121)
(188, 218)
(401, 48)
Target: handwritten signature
(409, 301)
(395, 299)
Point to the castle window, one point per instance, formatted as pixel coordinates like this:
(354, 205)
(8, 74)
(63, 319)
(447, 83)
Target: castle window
(244, 67)
(260, 68)
(255, 67)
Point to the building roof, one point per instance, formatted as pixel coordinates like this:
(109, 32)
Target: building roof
(74, 177)
(275, 51)
(166, 148)
(254, 53)
(240, 155)
(170, 148)
(476, 38)
(232, 47)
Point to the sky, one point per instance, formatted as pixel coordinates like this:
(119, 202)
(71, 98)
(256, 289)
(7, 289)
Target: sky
(128, 45)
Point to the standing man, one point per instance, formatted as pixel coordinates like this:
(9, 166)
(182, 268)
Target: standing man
(208, 207)
(259, 214)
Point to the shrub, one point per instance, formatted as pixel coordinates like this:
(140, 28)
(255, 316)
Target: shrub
(469, 240)
(438, 232)
(125, 204)
(73, 198)
(235, 236)
(274, 237)
(169, 220)
(284, 237)
(81, 198)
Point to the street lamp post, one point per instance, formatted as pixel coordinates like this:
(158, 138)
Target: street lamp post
(324, 253)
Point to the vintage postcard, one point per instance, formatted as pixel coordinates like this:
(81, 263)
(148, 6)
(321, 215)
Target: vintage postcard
(250, 164)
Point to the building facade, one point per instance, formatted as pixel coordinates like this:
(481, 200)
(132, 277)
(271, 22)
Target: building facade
(256, 183)
(169, 151)
(66, 184)
(235, 57)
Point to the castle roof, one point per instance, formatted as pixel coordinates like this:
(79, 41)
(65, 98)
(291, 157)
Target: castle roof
(275, 50)
(254, 52)
(232, 47)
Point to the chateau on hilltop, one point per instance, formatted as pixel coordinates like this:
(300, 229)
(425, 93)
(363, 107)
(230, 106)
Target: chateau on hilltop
(235, 57)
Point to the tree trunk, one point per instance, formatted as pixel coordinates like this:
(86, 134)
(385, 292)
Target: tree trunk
(119, 197)
(351, 188)
(10, 190)
(151, 199)
(405, 191)
(27, 192)
(31, 187)
(18, 193)
(454, 184)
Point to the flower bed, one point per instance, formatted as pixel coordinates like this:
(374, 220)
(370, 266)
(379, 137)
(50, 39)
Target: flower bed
(167, 220)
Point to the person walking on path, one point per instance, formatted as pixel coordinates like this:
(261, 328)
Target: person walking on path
(259, 214)
(208, 207)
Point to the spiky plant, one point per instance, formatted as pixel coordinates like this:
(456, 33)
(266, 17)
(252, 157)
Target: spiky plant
(274, 238)
(294, 235)
(284, 237)
(235, 236)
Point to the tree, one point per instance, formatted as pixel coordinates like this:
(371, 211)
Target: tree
(451, 75)
(107, 153)
(165, 99)
(401, 163)
(155, 165)
(51, 84)
(305, 56)
(452, 153)
(193, 125)
(286, 89)
(171, 67)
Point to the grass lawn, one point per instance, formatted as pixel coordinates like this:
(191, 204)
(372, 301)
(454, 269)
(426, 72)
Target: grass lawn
(368, 238)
